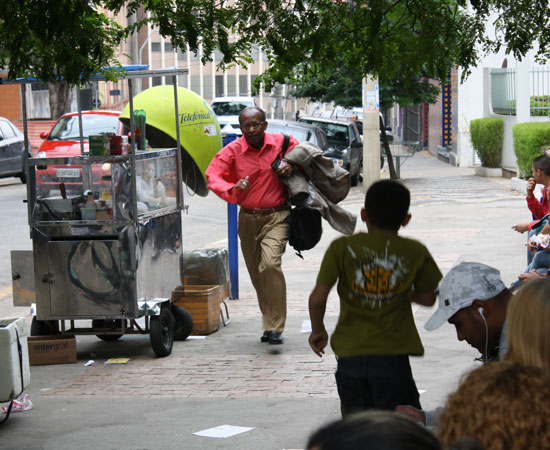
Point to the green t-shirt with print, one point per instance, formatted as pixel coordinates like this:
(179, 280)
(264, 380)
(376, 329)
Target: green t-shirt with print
(375, 273)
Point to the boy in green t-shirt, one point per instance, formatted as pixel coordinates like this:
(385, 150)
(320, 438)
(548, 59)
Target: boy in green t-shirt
(379, 274)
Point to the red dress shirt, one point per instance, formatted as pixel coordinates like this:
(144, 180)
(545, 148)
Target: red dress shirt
(238, 160)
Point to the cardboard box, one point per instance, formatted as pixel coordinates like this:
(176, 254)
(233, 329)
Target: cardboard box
(203, 303)
(55, 349)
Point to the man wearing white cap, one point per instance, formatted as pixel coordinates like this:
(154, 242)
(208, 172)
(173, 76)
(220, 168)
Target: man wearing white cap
(473, 298)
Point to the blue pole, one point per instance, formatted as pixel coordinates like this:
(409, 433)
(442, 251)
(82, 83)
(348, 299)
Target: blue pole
(233, 244)
(232, 236)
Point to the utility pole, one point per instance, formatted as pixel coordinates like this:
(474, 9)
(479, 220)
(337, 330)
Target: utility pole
(371, 131)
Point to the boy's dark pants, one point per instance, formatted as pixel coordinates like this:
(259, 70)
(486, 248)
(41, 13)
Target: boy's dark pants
(375, 382)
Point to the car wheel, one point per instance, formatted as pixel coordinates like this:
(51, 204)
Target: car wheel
(23, 177)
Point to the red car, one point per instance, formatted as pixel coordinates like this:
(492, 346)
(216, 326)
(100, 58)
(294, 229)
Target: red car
(64, 140)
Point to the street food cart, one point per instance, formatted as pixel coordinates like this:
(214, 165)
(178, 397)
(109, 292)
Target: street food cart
(111, 249)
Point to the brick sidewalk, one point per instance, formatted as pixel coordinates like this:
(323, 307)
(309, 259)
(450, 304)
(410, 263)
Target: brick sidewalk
(209, 371)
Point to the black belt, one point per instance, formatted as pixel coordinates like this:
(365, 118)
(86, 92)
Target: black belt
(264, 211)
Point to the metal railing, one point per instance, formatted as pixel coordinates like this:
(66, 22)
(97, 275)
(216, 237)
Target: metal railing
(503, 92)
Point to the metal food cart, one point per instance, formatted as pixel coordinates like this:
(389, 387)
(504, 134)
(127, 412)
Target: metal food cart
(111, 251)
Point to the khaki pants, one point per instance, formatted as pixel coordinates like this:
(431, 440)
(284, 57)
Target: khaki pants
(263, 243)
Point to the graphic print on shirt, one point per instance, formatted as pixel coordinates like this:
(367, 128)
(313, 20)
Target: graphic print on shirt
(377, 277)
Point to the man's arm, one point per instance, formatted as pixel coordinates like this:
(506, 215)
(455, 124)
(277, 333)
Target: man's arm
(423, 298)
(318, 339)
(222, 179)
(521, 227)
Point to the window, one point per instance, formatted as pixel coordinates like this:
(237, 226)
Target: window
(6, 130)
(155, 46)
(243, 84)
(168, 47)
(219, 86)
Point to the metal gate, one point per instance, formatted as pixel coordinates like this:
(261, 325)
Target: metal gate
(412, 123)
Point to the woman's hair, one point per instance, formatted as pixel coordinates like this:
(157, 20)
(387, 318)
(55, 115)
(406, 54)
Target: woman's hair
(503, 405)
(528, 320)
(375, 430)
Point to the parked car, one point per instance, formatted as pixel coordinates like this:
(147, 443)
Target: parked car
(64, 140)
(12, 151)
(227, 110)
(339, 112)
(301, 131)
(344, 144)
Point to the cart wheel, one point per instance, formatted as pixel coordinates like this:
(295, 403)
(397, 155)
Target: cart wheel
(162, 332)
(44, 327)
(184, 323)
(107, 325)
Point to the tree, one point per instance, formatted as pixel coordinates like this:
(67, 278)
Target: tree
(57, 39)
(345, 90)
(394, 39)
(397, 40)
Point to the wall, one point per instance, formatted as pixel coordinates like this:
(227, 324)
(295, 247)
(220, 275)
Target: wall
(10, 102)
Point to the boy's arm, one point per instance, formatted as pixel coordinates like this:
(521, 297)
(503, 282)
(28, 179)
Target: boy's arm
(423, 298)
(318, 339)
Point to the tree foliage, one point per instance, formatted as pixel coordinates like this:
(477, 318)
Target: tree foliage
(53, 39)
(398, 40)
(345, 90)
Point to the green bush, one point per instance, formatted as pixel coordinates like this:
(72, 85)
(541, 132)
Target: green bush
(540, 105)
(530, 139)
(487, 136)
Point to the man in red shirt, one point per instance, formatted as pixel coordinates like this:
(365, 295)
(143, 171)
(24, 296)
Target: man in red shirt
(242, 173)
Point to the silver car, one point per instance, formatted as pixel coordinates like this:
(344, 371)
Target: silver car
(344, 144)
(302, 132)
(12, 151)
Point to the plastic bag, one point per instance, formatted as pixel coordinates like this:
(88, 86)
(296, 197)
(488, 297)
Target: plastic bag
(23, 403)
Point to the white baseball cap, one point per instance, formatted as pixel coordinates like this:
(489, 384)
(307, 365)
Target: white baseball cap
(464, 283)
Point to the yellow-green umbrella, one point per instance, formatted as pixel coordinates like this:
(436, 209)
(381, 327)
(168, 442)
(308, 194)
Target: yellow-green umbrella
(200, 134)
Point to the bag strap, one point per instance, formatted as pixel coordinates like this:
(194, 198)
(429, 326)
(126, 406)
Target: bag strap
(286, 141)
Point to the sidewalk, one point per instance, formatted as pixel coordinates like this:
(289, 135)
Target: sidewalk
(284, 392)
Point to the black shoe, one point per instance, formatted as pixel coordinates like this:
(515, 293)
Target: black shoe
(265, 337)
(275, 338)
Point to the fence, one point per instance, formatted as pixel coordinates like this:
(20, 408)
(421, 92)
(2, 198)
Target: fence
(503, 92)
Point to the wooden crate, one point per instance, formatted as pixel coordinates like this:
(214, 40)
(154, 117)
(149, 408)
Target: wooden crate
(203, 303)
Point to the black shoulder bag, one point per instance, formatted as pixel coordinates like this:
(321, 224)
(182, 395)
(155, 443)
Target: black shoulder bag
(305, 222)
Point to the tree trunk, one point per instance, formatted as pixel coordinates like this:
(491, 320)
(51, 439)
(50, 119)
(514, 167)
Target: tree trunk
(60, 99)
(386, 145)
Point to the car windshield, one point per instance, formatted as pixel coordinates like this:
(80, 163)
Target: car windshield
(229, 108)
(336, 133)
(300, 134)
(66, 129)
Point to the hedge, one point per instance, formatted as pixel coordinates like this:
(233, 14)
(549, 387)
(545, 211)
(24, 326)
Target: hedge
(530, 138)
(487, 136)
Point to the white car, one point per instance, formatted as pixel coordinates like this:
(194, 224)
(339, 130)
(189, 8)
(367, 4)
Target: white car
(227, 110)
